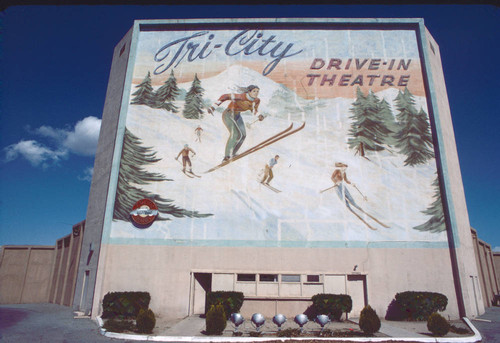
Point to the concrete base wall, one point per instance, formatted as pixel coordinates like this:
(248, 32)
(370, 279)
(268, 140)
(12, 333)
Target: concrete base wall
(166, 273)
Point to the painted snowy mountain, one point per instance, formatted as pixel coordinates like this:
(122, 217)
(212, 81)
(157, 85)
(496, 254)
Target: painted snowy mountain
(246, 212)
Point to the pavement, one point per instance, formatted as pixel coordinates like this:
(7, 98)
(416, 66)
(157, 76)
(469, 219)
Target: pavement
(53, 323)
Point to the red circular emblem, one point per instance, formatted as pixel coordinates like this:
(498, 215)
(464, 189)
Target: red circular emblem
(144, 212)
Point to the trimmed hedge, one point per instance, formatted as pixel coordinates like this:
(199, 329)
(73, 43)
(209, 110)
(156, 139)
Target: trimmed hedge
(124, 304)
(420, 305)
(332, 305)
(231, 301)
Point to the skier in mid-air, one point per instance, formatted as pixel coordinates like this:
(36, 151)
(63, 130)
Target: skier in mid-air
(246, 101)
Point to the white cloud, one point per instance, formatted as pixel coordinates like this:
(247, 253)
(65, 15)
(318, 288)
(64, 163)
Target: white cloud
(34, 152)
(83, 139)
(80, 140)
(87, 174)
(496, 249)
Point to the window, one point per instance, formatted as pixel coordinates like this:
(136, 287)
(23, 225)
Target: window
(268, 277)
(122, 50)
(290, 278)
(312, 278)
(246, 277)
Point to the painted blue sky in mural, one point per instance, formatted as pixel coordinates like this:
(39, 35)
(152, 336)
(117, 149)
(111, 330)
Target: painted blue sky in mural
(55, 65)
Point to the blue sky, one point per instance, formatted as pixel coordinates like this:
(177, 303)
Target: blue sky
(54, 69)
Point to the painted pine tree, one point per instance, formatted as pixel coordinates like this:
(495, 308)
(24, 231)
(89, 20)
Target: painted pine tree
(167, 93)
(414, 138)
(405, 104)
(368, 131)
(387, 118)
(436, 222)
(145, 93)
(193, 106)
(132, 172)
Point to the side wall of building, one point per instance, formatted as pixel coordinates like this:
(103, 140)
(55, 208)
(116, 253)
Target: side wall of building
(496, 264)
(459, 237)
(67, 257)
(487, 278)
(103, 165)
(25, 274)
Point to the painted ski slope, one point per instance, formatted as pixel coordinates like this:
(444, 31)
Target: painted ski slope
(245, 212)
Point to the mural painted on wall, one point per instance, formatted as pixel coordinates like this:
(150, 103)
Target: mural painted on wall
(279, 138)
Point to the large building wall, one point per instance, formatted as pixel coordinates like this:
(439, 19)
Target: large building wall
(218, 225)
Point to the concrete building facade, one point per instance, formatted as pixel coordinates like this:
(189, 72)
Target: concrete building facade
(366, 199)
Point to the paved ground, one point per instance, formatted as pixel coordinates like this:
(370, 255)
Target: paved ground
(490, 331)
(49, 323)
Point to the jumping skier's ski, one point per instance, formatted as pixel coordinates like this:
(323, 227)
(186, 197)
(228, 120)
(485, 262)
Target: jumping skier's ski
(372, 217)
(271, 187)
(364, 221)
(263, 144)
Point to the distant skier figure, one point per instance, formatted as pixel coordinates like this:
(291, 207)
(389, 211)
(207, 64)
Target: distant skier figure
(198, 132)
(268, 171)
(338, 177)
(246, 101)
(185, 157)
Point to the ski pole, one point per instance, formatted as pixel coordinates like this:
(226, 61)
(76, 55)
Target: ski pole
(324, 190)
(256, 120)
(364, 197)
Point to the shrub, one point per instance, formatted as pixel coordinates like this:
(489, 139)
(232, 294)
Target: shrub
(124, 304)
(458, 330)
(116, 325)
(438, 325)
(395, 312)
(332, 305)
(369, 322)
(231, 301)
(420, 305)
(215, 320)
(290, 332)
(145, 321)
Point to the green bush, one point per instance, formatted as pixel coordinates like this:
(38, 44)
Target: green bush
(420, 305)
(459, 330)
(332, 305)
(369, 322)
(145, 321)
(216, 320)
(438, 325)
(231, 301)
(124, 304)
(117, 325)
